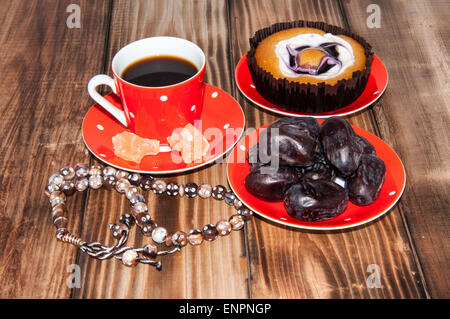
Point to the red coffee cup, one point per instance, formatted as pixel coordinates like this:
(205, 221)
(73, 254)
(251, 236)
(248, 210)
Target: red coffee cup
(154, 112)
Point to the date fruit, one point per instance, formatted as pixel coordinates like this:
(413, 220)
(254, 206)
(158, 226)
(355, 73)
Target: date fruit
(295, 141)
(364, 187)
(363, 145)
(318, 171)
(318, 168)
(253, 158)
(315, 200)
(339, 146)
(271, 186)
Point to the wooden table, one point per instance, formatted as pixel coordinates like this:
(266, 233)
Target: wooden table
(43, 99)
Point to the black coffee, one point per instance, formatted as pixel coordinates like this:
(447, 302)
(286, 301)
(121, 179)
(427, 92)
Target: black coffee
(159, 71)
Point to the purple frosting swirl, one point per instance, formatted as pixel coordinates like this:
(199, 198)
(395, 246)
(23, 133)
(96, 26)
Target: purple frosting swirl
(328, 59)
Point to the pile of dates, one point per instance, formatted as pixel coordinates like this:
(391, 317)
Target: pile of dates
(315, 169)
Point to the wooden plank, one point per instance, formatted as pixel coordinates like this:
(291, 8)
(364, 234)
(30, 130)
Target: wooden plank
(213, 270)
(288, 263)
(414, 118)
(42, 101)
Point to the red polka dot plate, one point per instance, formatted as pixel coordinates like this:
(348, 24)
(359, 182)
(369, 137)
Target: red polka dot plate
(376, 85)
(222, 123)
(391, 191)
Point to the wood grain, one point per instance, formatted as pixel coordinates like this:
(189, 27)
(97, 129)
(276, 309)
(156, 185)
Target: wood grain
(287, 263)
(213, 270)
(414, 119)
(42, 102)
(43, 98)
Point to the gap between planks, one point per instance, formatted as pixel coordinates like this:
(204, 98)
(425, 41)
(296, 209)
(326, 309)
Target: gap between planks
(104, 69)
(400, 208)
(235, 93)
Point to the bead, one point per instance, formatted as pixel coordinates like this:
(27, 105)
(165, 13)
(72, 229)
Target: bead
(122, 174)
(134, 179)
(122, 185)
(67, 172)
(218, 192)
(95, 170)
(237, 222)
(137, 198)
(141, 218)
(58, 206)
(245, 212)
(146, 182)
(81, 183)
(229, 197)
(68, 187)
(95, 181)
(82, 170)
(204, 191)
(60, 222)
(237, 203)
(57, 198)
(57, 179)
(159, 186)
(172, 189)
(195, 237)
(179, 239)
(131, 191)
(127, 220)
(209, 232)
(59, 211)
(148, 227)
(57, 201)
(140, 208)
(190, 190)
(130, 258)
(109, 182)
(159, 234)
(118, 230)
(223, 227)
(50, 188)
(150, 251)
(109, 171)
(181, 190)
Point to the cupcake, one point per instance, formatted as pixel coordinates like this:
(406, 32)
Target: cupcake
(309, 67)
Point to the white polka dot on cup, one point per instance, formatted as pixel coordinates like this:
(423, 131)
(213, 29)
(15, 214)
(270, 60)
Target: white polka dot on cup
(193, 108)
(214, 95)
(163, 98)
(100, 127)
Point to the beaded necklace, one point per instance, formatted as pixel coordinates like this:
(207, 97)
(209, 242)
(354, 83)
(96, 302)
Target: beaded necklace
(70, 180)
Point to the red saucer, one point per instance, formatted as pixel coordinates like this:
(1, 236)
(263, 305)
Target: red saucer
(354, 215)
(375, 87)
(222, 119)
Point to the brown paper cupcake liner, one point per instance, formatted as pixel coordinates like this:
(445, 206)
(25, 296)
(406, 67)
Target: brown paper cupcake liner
(308, 98)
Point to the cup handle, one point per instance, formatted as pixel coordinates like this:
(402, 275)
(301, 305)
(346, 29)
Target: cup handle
(102, 79)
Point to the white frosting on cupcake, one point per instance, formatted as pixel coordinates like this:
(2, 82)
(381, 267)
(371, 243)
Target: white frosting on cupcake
(344, 49)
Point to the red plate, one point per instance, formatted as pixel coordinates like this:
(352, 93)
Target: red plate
(222, 123)
(354, 215)
(375, 87)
